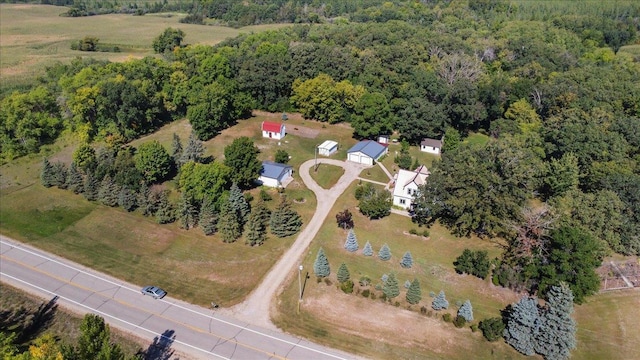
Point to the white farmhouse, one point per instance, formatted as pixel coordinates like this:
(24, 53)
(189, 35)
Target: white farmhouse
(275, 174)
(366, 152)
(406, 186)
(432, 146)
(273, 130)
(327, 148)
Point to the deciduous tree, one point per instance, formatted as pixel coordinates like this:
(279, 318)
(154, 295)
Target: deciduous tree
(153, 161)
(241, 156)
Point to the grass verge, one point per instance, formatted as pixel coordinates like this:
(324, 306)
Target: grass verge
(327, 175)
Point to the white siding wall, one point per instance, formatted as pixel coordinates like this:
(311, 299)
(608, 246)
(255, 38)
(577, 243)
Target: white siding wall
(430, 149)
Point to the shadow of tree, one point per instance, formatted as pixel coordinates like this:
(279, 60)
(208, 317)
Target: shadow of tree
(26, 323)
(160, 348)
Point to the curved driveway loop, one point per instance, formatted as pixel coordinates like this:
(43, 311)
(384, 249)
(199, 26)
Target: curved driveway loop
(256, 308)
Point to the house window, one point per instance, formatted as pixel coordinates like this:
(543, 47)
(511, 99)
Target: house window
(409, 191)
(403, 201)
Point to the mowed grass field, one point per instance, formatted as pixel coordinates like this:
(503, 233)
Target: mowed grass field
(33, 37)
(350, 322)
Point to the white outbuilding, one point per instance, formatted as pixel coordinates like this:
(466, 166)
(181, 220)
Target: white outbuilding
(327, 148)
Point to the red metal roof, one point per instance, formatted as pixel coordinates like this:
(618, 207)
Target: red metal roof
(271, 126)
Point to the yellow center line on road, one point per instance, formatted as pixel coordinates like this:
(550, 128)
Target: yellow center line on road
(131, 306)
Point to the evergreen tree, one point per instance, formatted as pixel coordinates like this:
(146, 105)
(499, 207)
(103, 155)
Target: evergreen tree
(466, 311)
(144, 201)
(343, 273)
(407, 260)
(75, 182)
(208, 219)
(351, 244)
(262, 212)
(127, 199)
(95, 341)
(46, 173)
(523, 324)
(229, 224)
(440, 301)
(414, 294)
(238, 205)
(187, 211)
(176, 150)
(284, 220)
(108, 192)
(557, 336)
(384, 253)
(256, 228)
(193, 151)
(368, 250)
(59, 175)
(390, 288)
(91, 186)
(165, 212)
(321, 266)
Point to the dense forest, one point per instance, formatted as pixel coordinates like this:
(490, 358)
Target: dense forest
(548, 83)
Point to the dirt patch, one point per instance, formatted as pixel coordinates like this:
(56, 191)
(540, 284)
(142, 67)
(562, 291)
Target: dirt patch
(303, 131)
(365, 317)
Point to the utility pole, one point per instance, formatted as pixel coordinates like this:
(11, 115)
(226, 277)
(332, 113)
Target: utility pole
(299, 286)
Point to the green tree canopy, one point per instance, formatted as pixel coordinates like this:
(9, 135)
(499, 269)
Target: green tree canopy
(153, 161)
(241, 156)
(168, 40)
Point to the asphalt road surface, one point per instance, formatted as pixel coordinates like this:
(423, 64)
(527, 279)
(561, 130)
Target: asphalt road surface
(195, 331)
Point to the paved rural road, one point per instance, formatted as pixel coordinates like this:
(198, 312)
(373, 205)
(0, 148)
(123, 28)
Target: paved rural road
(257, 307)
(200, 333)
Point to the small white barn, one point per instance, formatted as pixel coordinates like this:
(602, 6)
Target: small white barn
(327, 148)
(273, 130)
(406, 186)
(274, 174)
(384, 139)
(432, 146)
(366, 152)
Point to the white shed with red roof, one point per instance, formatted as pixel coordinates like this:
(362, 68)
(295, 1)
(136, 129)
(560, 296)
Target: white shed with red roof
(273, 130)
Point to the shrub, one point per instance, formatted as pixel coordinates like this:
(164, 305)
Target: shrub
(423, 310)
(426, 233)
(413, 232)
(397, 304)
(327, 281)
(475, 263)
(318, 279)
(264, 195)
(446, 317)
(384, 278)
(407, 283)
(492, 328)
(366, 292)
(474, 328)
(432, 294)
(373, 296)
(459, 321)
(364, 281)
(347, 287)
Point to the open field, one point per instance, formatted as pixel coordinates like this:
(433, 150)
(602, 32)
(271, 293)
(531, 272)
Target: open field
(350, 321)
(35, 36)
(194, 267)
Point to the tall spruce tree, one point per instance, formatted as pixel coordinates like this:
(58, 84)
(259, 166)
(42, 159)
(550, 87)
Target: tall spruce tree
(321, 266)
(239, 205)
(187, 211)
(75, 182)
(193, 151)
(46, 173)
(256, 228)
(229, 224)
(127, 199)
(208, 218)
(91, 186)
(407, 260)
(440, 301)
(108, 192)
(262, 212)
(165, 213)
(59, 175)
(384, 253)
(391, 288)
(414, 293)
(351, 244)
(523, 325)
(466, 311)
(284, 220)
(343, 273)
(367, 250)
(557, 335)
(176, 150)
(144, 201)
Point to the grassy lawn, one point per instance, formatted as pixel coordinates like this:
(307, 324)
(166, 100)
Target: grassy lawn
(35, 36)
(64, 325)
(191, 266)
(375, 173)
(327, 175)
(422, 157)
